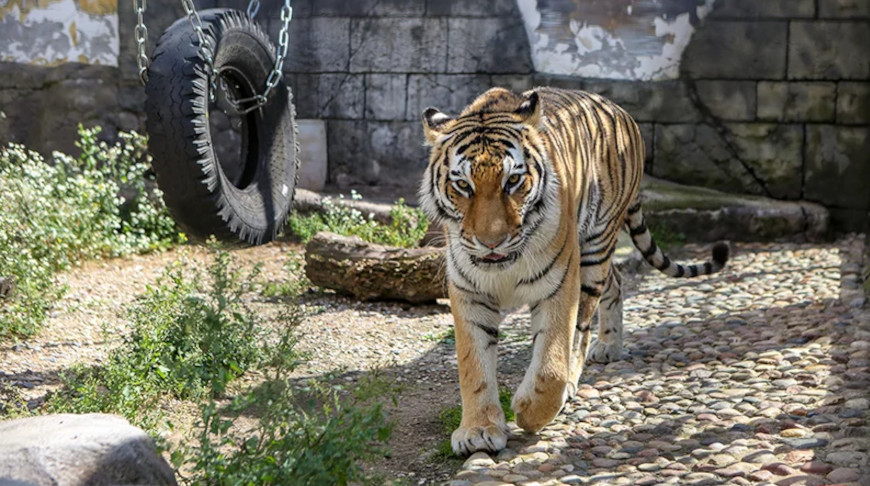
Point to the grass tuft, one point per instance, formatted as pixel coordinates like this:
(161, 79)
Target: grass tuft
(408, 226)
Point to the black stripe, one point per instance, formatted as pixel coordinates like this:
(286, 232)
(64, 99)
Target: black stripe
(564, 276)
(485, 305)
(708, 267)
(666, 262)
(462, 148)
(594, 237)
(459, 270)
(651, 250)
(592, 263)
(680, 271)
(546, 269)
(590, 290)
(534, 228)
(693, 271)
(491, 331)
(638, 230)
(634, 208)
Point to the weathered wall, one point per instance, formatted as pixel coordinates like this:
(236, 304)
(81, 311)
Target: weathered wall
(767, 97)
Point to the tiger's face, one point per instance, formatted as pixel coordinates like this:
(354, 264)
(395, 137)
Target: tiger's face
(484, 175)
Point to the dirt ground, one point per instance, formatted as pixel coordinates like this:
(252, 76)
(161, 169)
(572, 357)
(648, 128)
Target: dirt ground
(406, 342)
(411, 344)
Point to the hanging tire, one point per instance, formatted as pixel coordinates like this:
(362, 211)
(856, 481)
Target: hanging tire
(243, 195)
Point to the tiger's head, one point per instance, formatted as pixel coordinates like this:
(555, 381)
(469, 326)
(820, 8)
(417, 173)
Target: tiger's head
(485, 180)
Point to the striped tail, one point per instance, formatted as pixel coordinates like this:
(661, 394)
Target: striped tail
(654, 255)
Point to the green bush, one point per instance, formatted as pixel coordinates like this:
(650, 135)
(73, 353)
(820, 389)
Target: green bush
(292, 287)
(60, 213)
(191, 334)
(313, 437)
(408, 225)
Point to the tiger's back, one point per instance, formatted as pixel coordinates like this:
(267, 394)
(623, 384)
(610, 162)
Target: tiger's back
(598, 149)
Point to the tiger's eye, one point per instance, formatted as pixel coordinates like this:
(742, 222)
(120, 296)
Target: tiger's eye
(513, 179)
(462, 184)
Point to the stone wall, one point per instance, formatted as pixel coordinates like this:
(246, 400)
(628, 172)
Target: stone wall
(770, 98)
(371, 67)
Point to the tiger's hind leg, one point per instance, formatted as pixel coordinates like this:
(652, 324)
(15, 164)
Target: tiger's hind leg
(594, 280)
(608, 345)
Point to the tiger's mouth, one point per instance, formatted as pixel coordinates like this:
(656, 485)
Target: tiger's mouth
(494, 258)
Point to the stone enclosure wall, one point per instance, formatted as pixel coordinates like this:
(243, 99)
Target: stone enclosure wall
(771, 97)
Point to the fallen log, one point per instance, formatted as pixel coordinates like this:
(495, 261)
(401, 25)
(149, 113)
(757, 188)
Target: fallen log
(369, 271)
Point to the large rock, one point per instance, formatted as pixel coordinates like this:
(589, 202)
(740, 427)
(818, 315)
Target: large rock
(701, 214)
(67, 449)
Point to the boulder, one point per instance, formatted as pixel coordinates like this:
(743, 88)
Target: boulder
(704, 215)
(69, 449)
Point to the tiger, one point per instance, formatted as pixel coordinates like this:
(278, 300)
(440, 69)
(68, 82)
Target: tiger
(532, 191)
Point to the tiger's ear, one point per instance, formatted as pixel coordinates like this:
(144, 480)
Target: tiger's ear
(529, 110)
(434, 123)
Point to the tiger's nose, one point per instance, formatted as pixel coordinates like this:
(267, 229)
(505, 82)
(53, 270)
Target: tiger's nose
(491, 243)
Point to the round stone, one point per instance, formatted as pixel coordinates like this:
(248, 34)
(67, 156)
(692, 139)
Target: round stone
(844, 475)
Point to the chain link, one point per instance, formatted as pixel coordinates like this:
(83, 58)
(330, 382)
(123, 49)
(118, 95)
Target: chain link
(141, 33)
(253, 8)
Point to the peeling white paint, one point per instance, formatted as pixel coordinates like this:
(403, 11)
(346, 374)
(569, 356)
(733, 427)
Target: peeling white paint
(56, 33)
(621, 46)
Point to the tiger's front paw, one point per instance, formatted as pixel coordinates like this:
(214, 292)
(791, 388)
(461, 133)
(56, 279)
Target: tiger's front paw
(537, 406)
(601, 352)
(490, 438)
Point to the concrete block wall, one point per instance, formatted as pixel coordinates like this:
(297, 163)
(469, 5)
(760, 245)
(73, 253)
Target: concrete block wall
(773, 97)
(369, 68)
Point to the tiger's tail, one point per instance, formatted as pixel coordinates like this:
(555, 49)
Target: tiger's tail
(654, 255)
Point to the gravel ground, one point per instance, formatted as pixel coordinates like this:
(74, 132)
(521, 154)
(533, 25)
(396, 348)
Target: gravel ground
(756, 375)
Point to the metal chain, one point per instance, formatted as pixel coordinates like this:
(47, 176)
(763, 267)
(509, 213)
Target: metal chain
(205, 47)
(206, 50)
(141, 33)
(277, 71)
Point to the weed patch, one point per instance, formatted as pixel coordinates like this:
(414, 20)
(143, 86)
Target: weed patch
(408, 225)
(60, 213)
(191, 335)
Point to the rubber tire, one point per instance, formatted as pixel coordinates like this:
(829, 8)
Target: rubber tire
(196, 188)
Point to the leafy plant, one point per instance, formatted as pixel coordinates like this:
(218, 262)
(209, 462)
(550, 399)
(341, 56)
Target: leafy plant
(191, 334)
(407, 228)
(60, 213)
(311, 438)
(665, 236)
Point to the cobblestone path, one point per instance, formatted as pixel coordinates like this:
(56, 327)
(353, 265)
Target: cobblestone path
(757, 375)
